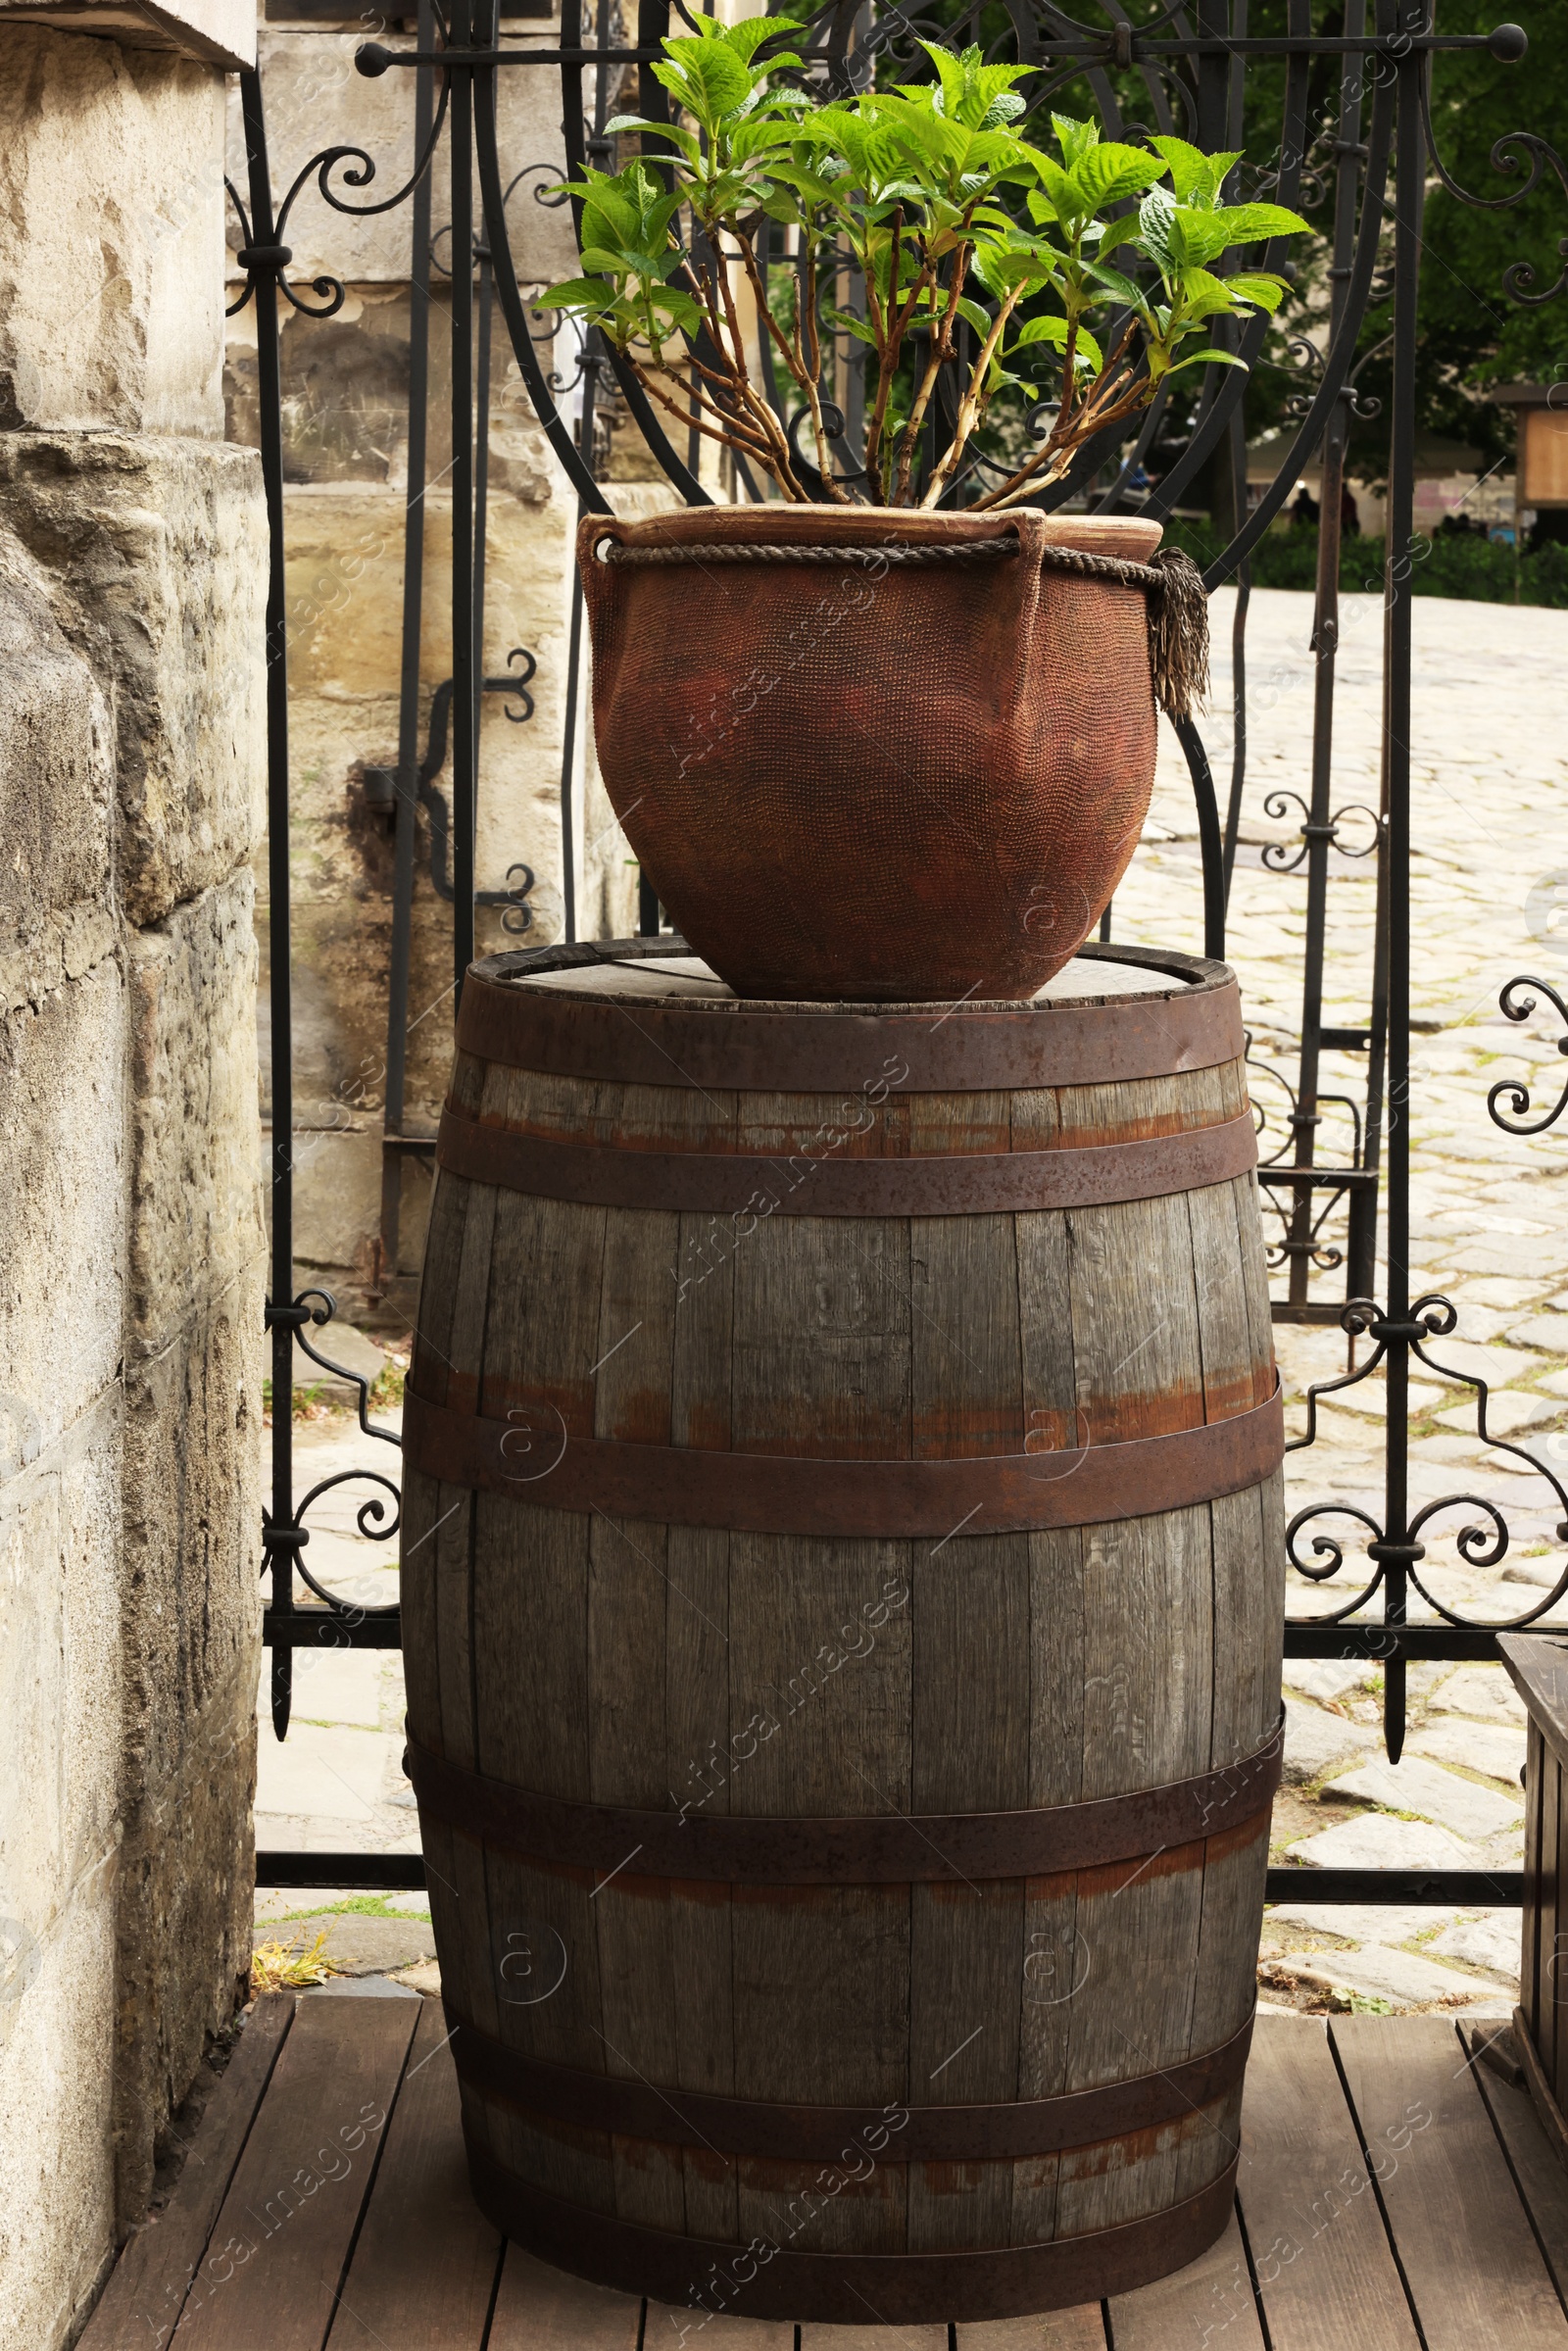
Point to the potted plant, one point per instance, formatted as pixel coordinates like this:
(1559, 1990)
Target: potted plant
(867, 740)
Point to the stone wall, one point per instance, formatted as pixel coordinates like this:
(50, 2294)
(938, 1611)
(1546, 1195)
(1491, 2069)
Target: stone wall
(132, 568)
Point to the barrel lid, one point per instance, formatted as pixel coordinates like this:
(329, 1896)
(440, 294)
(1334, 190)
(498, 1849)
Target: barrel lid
(649, 1012)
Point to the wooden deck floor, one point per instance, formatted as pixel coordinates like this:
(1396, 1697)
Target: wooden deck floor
(1393, 2197)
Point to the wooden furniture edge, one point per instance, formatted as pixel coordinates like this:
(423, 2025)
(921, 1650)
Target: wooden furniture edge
(1551, 2114)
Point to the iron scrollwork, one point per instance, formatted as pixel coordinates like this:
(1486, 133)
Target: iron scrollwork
(1508, 1103)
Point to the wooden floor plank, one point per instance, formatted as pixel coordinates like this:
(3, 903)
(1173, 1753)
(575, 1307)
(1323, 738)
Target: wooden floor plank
(822, 2337)
(1538, 2172)
(425, 2263)
(1321, 2253)
(666, 2329)
(541, 2309)
(1082, 2329)
(146, 2292)
(1464, 2240)
(1210, 2300)
(275, 2256)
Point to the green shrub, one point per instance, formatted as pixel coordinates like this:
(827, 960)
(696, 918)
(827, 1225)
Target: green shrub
(1458, 563)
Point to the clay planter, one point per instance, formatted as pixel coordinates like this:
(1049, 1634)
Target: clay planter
(865, 781)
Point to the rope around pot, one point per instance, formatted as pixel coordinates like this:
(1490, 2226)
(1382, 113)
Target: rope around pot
(1178, 600)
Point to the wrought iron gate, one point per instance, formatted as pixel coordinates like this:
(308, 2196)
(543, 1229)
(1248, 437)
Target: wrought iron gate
(1373, 144)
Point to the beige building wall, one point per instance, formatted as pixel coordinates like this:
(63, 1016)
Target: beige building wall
(132, 569)
(345, 403)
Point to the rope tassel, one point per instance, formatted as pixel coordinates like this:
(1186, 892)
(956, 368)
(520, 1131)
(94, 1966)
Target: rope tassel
(1178, 633)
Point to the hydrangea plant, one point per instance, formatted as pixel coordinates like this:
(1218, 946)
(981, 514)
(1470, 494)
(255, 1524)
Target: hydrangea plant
(1101, 261)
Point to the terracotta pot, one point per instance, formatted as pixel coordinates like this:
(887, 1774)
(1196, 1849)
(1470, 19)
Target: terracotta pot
(874, 783)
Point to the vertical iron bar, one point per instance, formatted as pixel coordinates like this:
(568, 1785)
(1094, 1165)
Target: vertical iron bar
(1396, 1551)
(592, 362)
(279, 1541)
(397, 1010)
(1243, 597)
(468, 24)
(481, 496)
(1306, 1117)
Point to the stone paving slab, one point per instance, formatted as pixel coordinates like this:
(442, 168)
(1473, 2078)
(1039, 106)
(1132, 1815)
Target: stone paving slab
(1401, 1978)
(1491, 1940)
(1380, 1842)
(1415, 1785)
(1359, 1922)
(332, 1770)
(1488, 1747)
(1325, 1677)
(1315, 1741)
(356, 1945)
(1480, 1692)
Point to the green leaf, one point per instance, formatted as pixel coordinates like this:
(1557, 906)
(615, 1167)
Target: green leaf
(578, 294)
(1054, 332)
(1125, 289)
(1154, 217)
(845, 322)
(1109, 172)
(1250, 224)
(1204, 296)
(1067, 198)
(1196, 238)
(1075, 139)
(1050, 330)
(708, 78)
(1262, 289)
(747, 37)
(1199, 359)
(1196, 178)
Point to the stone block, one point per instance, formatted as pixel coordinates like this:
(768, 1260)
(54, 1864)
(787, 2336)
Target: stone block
(57, 2028)
(158, 551)
(60, 1682)
(191, 1588)
(111, 237)
(56, 795)
(185, 1886)
(63, 1208)
(337, 1197)
(196, 1224)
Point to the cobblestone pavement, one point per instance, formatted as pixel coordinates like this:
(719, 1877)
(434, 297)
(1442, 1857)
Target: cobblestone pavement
(1489, 1229)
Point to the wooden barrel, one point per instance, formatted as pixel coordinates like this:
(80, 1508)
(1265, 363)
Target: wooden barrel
(842, 1602)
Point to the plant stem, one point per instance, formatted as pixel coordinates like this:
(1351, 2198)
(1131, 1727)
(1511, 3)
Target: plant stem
(940, 350)
(971, 406)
